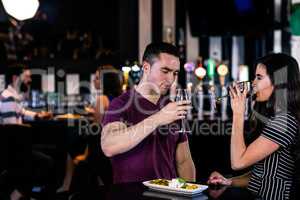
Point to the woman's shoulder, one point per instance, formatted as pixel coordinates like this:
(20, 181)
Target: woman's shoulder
(288, 118)
(103, 100)
(102, 97)
(282, 128)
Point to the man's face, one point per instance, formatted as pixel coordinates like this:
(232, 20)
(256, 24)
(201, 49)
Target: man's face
(162, 73)
(26, 77)
(25, 81)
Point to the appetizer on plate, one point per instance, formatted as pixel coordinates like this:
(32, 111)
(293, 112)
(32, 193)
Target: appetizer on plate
(175, 183)
(176, 186)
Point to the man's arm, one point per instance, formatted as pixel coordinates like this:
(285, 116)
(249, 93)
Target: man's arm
(184, 162)
(10, 110)
(117, 138)
(28, 114)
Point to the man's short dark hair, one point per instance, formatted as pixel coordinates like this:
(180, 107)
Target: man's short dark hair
(153, 50)
(12, 71)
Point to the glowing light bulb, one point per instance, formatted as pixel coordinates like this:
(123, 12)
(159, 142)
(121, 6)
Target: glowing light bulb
(135, 68)
(222, 70)
(21, 9)
(200, 72)
(126, 69)
(189, 66)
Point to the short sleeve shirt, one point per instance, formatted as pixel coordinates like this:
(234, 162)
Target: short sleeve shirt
(152, 158)
(272, 177)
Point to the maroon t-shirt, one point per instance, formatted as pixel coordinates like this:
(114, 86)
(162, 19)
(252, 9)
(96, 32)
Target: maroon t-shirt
(152, 158)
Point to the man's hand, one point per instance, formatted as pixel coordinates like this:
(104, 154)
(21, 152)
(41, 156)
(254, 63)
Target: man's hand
(172, 112)
(44, 115)
(90, 110)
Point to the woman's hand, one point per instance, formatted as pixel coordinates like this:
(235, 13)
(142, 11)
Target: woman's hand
(217, 179)
(238, 98)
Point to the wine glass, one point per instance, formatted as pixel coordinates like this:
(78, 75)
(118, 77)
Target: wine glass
(241, 86)
(183, 95)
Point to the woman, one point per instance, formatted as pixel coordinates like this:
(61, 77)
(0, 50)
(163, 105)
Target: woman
(108, 81)
(108, 85)
(97, 112)
(270, 150)
(102, 101)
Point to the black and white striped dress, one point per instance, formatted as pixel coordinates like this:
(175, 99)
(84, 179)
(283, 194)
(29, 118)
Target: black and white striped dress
(271, 178)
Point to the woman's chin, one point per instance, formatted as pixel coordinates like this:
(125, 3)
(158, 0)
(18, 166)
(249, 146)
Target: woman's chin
(258, 99)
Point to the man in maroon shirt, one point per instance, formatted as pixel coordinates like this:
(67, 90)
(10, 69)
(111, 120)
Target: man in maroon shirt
(140, 129)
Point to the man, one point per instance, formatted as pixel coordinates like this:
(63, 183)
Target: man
(140, 133)
(18, 82)
(16, 140)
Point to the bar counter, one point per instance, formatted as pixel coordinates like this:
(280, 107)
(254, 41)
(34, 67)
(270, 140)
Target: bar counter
(137, 191)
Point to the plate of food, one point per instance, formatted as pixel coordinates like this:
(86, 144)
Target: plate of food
(175, 186)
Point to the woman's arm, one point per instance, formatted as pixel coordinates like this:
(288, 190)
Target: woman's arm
(241, 155)
(102, 104)
(241, 181)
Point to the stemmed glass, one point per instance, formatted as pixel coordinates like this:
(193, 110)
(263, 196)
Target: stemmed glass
(241, 86)
(183, 95)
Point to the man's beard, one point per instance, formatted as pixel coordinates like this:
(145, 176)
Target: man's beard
(24, 87)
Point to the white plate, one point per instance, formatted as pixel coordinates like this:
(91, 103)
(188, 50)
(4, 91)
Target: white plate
(164, 195)
(179, 191)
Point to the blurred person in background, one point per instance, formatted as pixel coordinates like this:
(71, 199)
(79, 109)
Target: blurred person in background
(18, 81)
(24, 165)
(108, 86)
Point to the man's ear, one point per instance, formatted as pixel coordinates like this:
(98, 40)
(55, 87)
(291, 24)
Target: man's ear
(146, 67)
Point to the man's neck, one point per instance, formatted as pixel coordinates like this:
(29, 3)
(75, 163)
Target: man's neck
(147, 92)
(13, 87)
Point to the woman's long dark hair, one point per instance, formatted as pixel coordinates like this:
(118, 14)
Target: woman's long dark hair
(112, 81)
(283, 71)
